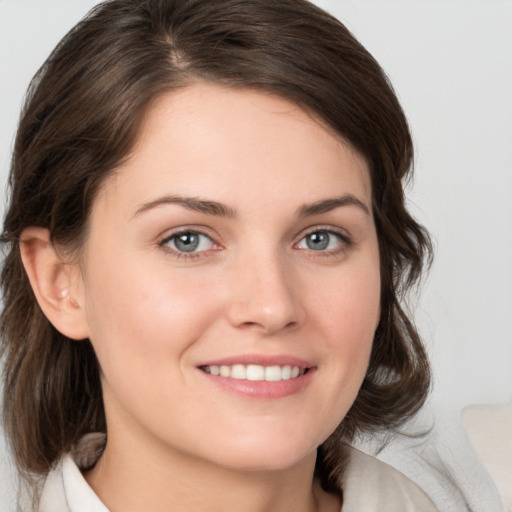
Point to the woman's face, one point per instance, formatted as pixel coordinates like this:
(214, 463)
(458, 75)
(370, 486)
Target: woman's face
(230, 281)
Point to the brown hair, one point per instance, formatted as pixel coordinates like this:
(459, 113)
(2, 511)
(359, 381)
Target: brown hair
(79, 122)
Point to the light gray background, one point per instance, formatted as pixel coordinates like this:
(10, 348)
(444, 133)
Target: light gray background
(451, 64)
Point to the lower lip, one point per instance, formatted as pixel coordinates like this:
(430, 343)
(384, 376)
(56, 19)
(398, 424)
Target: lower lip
(262, 389)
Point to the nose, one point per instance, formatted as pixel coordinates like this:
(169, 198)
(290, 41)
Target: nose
(264, 296)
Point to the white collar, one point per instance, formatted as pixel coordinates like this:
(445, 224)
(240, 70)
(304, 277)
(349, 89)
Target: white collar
(66, 489)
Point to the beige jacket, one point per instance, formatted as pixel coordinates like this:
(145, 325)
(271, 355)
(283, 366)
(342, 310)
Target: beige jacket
(368, 484)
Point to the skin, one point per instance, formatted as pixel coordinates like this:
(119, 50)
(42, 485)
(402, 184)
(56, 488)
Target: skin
(253, 289)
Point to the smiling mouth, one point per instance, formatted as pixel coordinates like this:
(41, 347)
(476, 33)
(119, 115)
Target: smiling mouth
(255, 372)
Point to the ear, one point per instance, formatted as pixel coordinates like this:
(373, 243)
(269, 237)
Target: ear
(57, 285)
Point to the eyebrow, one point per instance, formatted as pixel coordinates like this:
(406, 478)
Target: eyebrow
(220, 210)
(327, 205)
(191, 203)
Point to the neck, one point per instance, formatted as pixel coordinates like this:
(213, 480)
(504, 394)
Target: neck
(143, 477)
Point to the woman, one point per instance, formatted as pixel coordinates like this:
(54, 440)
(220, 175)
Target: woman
(208, 242)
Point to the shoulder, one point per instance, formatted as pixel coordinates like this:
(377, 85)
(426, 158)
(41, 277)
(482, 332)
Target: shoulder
(372, 485)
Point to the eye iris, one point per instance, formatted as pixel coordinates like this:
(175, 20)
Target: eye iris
(318, 241)
(187, 242)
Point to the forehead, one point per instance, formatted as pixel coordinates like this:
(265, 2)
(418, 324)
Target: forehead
(212, 140)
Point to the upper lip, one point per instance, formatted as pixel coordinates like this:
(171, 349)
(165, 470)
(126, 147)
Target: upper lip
(259, 359)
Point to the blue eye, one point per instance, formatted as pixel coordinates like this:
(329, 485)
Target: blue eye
(321, 240)
(189, 241)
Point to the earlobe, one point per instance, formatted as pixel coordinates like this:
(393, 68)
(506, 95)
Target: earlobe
(57, 285)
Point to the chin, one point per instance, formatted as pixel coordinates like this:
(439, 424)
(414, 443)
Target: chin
(266, 456)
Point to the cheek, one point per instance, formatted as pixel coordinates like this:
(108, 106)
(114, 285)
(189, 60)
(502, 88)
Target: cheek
(344, 313)
(348, 315)
(137, 317)
(142, 325)
(351, 306)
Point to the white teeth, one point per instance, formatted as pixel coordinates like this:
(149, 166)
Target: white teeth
(286, 372)
(273, 373)
(238, 371)
(256, 372)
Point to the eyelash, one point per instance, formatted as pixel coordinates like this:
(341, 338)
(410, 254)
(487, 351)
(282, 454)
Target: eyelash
(345, 243)
(183, 255)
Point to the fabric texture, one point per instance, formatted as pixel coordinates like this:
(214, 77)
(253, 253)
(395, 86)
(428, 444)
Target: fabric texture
(489, 428)
(434, 451)
(368, 485)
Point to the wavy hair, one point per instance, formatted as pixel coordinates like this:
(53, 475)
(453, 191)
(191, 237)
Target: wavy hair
(80, 120)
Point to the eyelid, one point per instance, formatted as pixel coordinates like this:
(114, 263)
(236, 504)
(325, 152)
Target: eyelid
(346, 241)
(327, 228)
(193, 228)
(168, 235)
